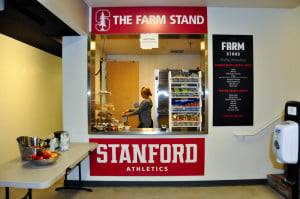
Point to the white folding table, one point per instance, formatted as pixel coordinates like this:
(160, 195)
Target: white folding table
(25, 174)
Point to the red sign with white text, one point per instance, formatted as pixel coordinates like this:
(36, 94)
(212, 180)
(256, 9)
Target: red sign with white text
(118, 20)
(148, 157)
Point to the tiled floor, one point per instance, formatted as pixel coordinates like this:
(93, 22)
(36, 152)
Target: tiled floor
(213, 192)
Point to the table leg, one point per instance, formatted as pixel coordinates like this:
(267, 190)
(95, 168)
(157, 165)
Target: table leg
(79, 181)
(28, 194)
(6, 192)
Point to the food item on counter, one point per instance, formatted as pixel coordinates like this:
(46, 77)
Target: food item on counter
(40, 157)
(54, 155)
(183, 73)
(34, 156)
(40, 153)
(127, 128)
(47, 154)
(185, 117)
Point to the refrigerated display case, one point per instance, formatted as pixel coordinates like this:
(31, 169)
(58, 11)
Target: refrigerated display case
(185, 99)
(161, 117)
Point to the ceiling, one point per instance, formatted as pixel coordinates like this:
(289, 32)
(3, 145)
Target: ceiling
(28, 21)
(208, 3)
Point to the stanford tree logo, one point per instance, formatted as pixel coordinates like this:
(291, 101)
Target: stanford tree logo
(102, 20)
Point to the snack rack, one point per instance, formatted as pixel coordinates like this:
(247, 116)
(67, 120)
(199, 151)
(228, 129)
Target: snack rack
(185, 103)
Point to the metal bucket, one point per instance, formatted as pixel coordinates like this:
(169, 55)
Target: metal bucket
(29, 145)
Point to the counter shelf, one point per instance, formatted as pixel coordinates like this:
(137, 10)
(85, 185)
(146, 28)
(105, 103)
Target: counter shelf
(149, 131)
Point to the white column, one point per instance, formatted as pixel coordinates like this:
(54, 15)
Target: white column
(75, 114)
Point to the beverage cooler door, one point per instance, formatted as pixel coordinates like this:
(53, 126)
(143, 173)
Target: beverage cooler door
(161, 99)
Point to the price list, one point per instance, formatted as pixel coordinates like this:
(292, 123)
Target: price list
(232, 80)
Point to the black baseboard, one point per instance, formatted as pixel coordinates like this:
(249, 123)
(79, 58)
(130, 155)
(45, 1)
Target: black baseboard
(167, 183)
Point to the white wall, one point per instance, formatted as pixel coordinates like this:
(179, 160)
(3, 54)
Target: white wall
(31, 94)
(297, 51)
(276, 80)
(75, 113)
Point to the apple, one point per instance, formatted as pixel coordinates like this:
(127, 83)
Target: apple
(47, 154)
(39, 153)
(34, 156)
(40, 157)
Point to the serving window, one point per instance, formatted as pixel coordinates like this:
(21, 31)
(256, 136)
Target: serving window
(176, 73)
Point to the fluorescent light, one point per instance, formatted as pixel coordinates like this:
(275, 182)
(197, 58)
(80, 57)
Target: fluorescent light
(93, 45)
(202, 45)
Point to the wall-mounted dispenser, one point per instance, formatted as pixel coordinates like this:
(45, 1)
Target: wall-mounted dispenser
(285, 142)
(286, 145)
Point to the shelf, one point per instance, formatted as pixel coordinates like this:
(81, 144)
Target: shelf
(196, 110)
(185, 108)
(189, 82)
(183, 96)
(185, 79)
(187, 121)
(185, 87)
(186, 126)
(188, 112)
(185, 93)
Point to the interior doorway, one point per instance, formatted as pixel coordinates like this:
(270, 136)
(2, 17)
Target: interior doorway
(123, 83)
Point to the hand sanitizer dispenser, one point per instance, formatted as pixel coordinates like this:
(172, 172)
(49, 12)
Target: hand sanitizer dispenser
(285, 142)
(285, 146)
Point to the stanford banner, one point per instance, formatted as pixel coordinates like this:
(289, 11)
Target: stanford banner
(232, 80)
(147, 157)
(112, 20)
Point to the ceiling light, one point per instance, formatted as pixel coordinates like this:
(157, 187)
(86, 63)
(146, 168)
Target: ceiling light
(93, 45)
(202, 45)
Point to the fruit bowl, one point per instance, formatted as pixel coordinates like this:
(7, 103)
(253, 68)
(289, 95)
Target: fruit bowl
(41, 160)
(30, 145)
(44, 161)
